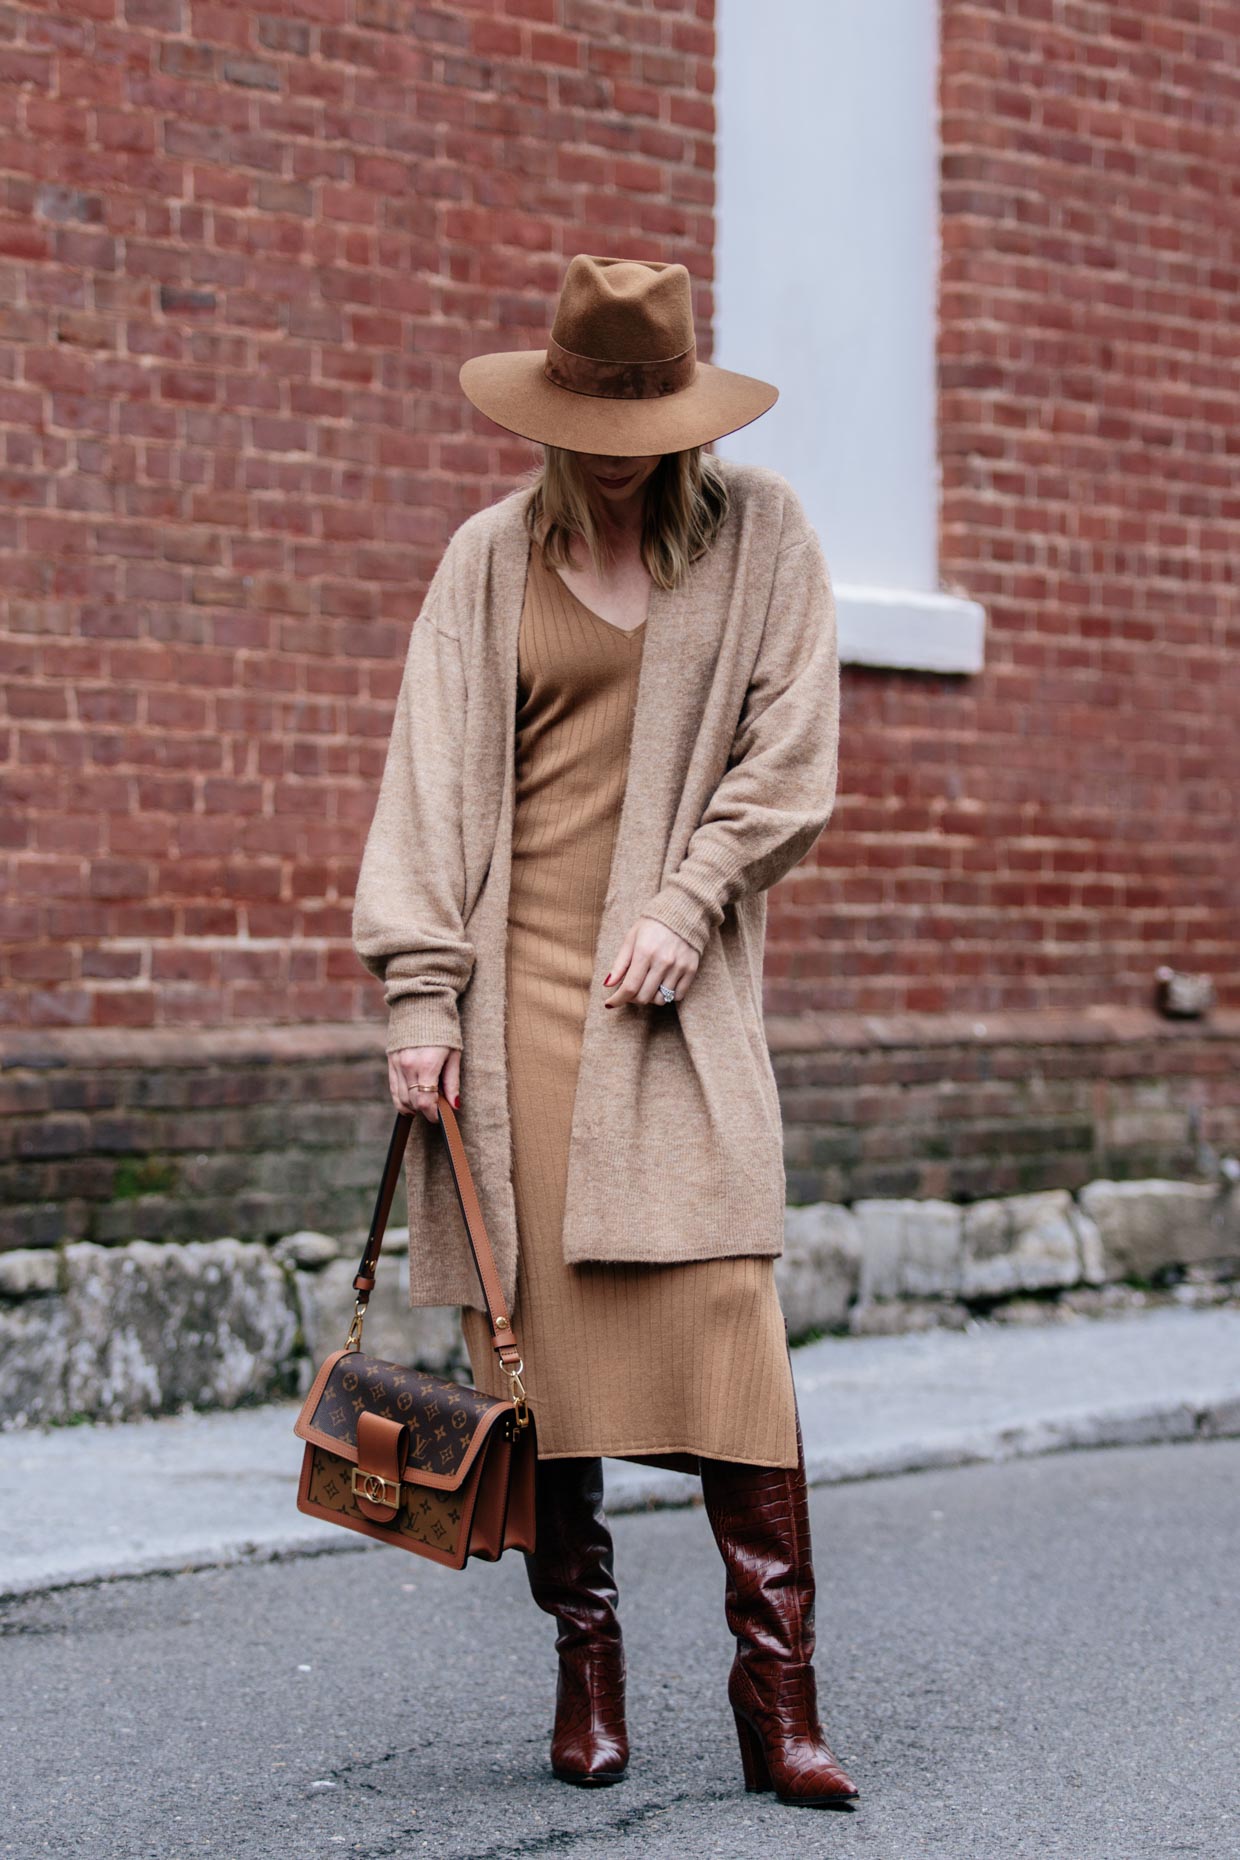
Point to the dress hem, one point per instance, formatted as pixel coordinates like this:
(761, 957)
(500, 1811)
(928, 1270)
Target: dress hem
(639, 1454)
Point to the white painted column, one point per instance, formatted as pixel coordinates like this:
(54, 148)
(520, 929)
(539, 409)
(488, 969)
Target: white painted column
(827, 269)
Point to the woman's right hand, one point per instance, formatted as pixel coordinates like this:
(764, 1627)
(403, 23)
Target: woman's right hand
(414, 1076)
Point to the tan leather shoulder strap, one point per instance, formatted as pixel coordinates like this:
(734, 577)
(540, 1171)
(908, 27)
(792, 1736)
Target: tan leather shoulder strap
(503, 1341)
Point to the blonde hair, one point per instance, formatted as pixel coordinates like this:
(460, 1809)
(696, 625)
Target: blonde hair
(686, 501)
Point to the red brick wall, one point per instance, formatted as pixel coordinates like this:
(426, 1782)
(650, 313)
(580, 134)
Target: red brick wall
(1045, 834)
(242, 255)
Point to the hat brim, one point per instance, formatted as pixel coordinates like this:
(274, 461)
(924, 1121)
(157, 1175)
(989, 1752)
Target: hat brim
(511, 388)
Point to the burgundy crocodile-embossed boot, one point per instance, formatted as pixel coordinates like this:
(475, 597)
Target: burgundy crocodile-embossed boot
(571, 1577)
(760, 1518)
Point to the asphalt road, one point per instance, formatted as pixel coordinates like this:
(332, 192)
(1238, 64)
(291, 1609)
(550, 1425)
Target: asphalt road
(1016, 1661)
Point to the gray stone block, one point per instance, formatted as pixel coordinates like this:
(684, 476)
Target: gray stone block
(27, 1274)
(819, 1272)
(909, 1248)
(1146, 1227)
(1020, 1243)
(209, 1323)
(34, 1346)
(1093, 1262)
(307, 1250)
(429, 1337)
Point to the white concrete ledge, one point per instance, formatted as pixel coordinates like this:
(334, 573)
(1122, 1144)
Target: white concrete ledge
(912, 632)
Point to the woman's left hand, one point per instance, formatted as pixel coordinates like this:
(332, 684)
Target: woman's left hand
(651, 953)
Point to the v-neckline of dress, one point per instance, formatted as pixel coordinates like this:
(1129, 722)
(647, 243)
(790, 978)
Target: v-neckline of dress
(625, 631)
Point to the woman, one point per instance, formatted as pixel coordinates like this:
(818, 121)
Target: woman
(616, 729)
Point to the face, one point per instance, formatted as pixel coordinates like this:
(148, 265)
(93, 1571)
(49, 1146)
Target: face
(615, 479)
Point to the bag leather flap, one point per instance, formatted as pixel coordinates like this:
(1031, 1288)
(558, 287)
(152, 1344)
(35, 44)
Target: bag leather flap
(447, 1422)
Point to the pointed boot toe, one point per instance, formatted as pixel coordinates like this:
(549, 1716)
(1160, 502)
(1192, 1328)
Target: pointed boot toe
(760, 1518)
(572, 1577)
(590, 1744)
(782, 1745)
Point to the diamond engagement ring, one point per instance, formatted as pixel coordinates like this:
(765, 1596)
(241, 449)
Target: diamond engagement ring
(666, 993)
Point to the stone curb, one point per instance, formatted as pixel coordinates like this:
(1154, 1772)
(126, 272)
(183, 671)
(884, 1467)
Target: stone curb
(1122, 1426)
(648, 1491)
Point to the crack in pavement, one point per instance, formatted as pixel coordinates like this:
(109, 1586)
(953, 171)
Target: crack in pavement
(559, 1840)
(359, 1774)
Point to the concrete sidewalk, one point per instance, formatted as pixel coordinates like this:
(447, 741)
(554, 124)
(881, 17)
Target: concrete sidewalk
(191, 1491)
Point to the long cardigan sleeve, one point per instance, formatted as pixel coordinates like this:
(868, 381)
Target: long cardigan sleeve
(407, 913)
(778, 791)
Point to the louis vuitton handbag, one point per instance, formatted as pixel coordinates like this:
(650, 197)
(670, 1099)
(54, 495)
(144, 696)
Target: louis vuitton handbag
(413, 1459)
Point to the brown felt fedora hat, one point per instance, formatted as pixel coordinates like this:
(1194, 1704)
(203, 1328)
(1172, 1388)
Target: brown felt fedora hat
(620, 374)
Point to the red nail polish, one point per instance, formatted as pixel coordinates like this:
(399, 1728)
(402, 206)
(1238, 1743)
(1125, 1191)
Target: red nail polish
(606, 979)
(456, 1103)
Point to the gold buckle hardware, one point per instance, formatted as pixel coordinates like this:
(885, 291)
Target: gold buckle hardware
(354, 1339)
(516, 1388)
(374, 1487)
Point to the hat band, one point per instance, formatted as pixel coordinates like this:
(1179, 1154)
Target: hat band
(584, 374)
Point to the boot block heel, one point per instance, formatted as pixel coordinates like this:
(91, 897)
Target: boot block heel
(753, 1757)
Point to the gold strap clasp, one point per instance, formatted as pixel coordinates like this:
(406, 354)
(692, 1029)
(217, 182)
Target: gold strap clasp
(516, 1388)
(354, 1339)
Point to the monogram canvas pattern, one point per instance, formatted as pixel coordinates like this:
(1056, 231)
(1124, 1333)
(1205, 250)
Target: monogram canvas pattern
(430, 1517)
(443, 1416)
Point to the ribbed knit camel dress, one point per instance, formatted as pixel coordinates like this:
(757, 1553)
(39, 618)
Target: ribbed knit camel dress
(633, 1361)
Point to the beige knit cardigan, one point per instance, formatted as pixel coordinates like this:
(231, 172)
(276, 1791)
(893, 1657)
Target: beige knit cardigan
(676, 1149)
